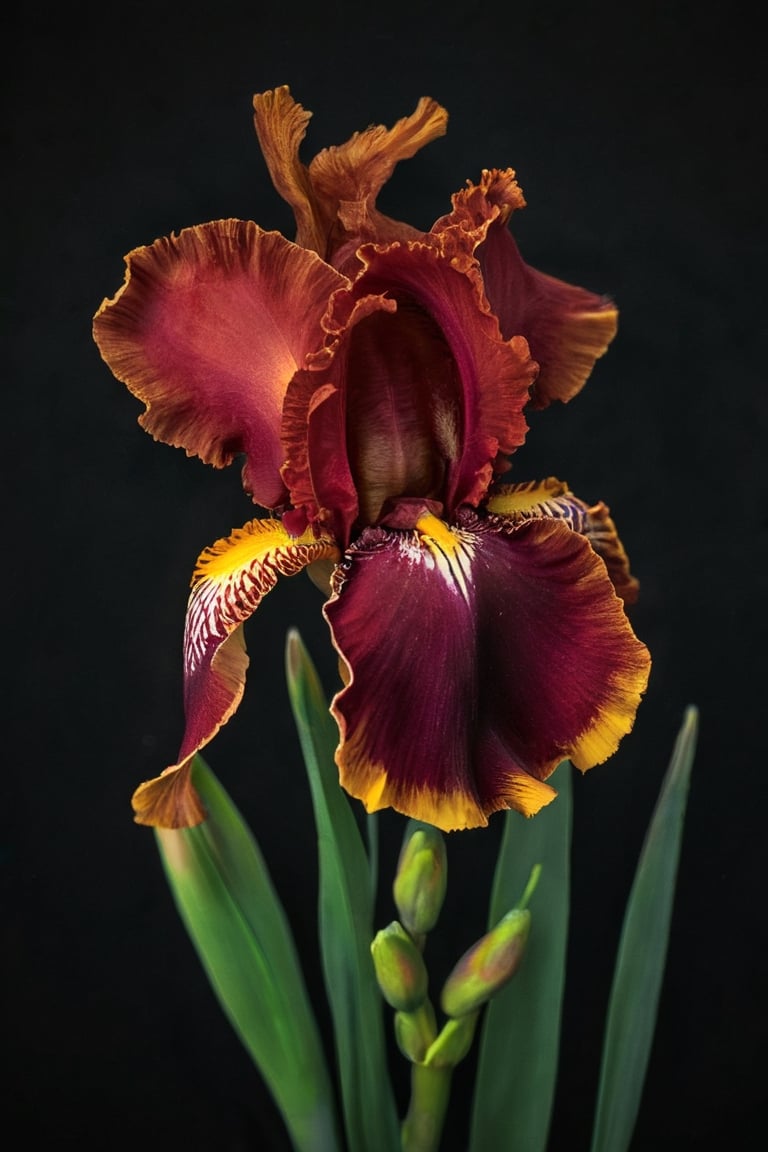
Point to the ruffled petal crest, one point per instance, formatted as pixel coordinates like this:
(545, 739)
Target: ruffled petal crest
(334, 198)
(602, 535)
(568, 328)
(207, 330)
(482, 422)
(317, 470)
(416, 391)
(281, 124)
(553, 498)
(475, 208)
(476, 659)
(351, 175)
(532, 499)
(230, 580)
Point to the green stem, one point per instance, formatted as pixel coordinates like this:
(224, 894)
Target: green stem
(423, 1126)
(533, 880)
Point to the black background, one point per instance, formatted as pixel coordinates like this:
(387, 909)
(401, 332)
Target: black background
(637, 136)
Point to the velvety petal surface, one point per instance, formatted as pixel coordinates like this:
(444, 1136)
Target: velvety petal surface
(553, 498)
(476, 659)
(567, 327)
(230, 580)
(207, 331)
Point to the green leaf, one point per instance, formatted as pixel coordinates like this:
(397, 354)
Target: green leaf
(346, 921)
(234, 917)
(520, 1038)
(642, 953)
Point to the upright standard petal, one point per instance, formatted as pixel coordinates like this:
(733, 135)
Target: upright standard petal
(207, 330)
(476, 659)
(417, 395)
(281, 125)
(348, 179)
(229, 583)
(334, 198)
(567, 327)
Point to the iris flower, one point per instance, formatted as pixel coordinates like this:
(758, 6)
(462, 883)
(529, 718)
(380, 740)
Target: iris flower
(375, 379)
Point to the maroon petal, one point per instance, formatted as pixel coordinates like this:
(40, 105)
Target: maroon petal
(416, 395)
(551, 497)
(208, 330)
(477, 659)
(567, 327)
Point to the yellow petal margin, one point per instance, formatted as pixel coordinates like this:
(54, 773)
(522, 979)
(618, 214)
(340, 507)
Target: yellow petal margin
(552, 498)
(534, 499)
(230, 580)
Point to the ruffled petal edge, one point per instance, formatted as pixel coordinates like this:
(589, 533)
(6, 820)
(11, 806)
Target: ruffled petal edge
(230, 581)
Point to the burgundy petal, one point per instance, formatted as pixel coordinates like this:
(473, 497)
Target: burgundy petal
(417, 393)
(567, 327)
(207, 330)
(477, 659)
(551, 497)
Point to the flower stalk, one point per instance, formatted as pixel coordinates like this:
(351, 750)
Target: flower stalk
(430, 1092)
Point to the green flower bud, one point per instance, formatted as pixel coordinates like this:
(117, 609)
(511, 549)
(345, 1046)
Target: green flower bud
(400, 969)
(415, 1031)
(487, 965)
(453, 1043)
(420, 882)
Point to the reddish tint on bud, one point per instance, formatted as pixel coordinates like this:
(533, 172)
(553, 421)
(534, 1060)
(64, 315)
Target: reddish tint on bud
(487, 965)
(400, 969)
(420, 882)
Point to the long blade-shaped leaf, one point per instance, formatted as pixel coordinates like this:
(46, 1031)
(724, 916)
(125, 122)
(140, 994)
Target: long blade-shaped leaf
(234, 917)
(346, 921)
(642, 953)
(520, 1040)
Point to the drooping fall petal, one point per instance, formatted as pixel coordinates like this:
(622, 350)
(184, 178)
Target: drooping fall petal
(568, 328)
(602, 535)
(533, 499)
(477, 658)
(551, 497)
(207, 331)
(230, 581)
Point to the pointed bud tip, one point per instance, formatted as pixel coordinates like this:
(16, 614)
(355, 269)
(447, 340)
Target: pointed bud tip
(400, 970)
(420, 883)
(487, 966)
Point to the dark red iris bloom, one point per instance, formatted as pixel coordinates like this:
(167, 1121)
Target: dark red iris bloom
(375, 379)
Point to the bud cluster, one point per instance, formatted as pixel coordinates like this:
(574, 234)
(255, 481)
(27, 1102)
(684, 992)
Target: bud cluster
(419, 892)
